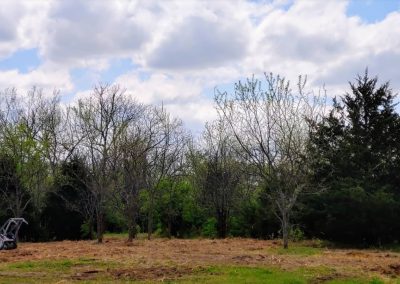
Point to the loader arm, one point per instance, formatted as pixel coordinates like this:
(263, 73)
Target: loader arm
(9, 233)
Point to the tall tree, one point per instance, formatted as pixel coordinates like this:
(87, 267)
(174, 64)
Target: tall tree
(24, 121)
(135, 144)
(218, 171)
(165, 160)
(269, 123)
(101, 120)
(357, 154)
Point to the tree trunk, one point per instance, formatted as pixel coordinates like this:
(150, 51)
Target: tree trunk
(150, 219)
(222, 225)
(169, 227)
(169, 216)
(285, 230)
(132, 230)
(150, 224)
(90, 224)
(100, 227)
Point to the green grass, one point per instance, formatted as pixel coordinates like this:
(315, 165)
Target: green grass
(219, 275)
(46, 271)
(296, 249)
(356, 281)
(56, 265)
(211, 275)
(39, 265)
(54, 271)
(244, 275)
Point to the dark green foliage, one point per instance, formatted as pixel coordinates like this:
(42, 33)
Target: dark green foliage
(356, 153)
(10, 186)
(255, 218)
(64, 214)
(62, 223)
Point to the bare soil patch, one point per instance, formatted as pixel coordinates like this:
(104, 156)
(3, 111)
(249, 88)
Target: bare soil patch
(152, 273)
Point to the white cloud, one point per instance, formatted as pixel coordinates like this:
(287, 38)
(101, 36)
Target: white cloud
(187, 47)
(45, 78)
(193, 113)
(198, 42)
(180, 96)
(159, 87)
(21, 24)
(320, 40)
(79, 32)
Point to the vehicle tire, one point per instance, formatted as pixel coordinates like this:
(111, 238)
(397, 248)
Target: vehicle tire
(12, 245)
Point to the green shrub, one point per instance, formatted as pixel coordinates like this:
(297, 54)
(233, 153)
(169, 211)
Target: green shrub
(209, 228)
(296, 234)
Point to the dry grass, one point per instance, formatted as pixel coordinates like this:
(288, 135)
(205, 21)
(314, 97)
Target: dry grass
(161, 259)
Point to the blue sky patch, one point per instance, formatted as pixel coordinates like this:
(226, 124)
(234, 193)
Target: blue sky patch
(84, 78)
(24, 60)
(117, 68)
(371, 11)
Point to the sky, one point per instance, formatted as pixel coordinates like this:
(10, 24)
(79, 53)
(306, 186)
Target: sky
(176, 53)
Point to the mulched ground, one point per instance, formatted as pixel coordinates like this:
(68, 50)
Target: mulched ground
(168, 259)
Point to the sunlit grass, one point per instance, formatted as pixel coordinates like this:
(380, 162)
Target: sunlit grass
(62, 270)
(57, 265)
(269, 275)
(297, 250)
(306, 248)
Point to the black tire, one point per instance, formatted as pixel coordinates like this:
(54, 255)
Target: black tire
(12, 245)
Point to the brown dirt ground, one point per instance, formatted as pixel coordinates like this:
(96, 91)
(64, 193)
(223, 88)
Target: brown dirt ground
(163, 258)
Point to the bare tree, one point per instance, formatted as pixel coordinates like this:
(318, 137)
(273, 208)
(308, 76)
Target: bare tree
(131, 181)
(217, 172)
(175, 162)
(165, 161)
(101, 120)
(270, 127)
(138, 140)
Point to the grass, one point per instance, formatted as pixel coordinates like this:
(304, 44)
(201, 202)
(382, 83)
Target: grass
(48, 271)
(55, 265)
(356, 281)
(244, 275)
(301, 248)
(140, 236)
(54, 271)
(217, 275)
(296, 250)
(194, 261)
(116, 235)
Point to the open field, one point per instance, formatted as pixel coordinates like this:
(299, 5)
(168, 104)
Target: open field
(194, 261)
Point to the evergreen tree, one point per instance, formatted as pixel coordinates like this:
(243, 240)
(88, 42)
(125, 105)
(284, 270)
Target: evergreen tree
(356, 154)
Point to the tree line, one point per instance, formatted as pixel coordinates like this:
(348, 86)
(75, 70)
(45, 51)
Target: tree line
(278, 161)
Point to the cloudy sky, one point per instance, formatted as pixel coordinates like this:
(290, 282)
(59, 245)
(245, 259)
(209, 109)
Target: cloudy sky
(177, 52)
